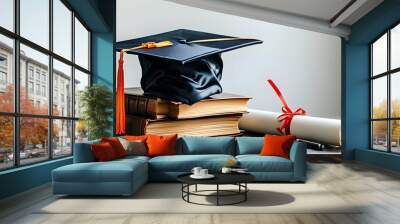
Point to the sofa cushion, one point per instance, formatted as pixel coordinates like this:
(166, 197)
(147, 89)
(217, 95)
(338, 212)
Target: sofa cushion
(134, 147)
(185, 163)
(112, 171)
(116, 145)
(192, 145)
(277, 145)
(103, 152)
(159, 145)
(249, 145)
(257, 163)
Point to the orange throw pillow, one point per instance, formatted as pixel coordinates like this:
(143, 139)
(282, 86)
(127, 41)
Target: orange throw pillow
(103, 152)
(161, 145)
(116, 145)
(135, 137)
(275, 145)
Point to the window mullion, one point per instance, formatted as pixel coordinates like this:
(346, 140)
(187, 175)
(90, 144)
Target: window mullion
(50, 81)
(389, 104)
(16, 83)
(73, 82)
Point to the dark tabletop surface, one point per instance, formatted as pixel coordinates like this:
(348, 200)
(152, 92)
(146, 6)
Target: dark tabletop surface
(220, 178)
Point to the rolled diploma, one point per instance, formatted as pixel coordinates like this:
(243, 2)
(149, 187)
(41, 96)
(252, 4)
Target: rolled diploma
(316, 129)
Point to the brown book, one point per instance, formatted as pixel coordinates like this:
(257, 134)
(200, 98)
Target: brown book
(138, 104)
(207, 126)
(218, 104)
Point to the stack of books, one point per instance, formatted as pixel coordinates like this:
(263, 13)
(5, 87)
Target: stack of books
(215, 116)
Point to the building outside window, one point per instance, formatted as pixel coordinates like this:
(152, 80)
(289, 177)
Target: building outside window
(3, 71)
(43, 90)
(59, 127)
(385, 91)
(30, 72)
(30, 87)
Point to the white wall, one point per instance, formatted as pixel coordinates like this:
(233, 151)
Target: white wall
(304, 64)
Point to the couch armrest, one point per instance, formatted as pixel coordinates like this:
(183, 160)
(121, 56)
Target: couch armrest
(83, 152)
(298, 155)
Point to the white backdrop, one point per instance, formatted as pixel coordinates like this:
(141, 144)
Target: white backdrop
(305, 65)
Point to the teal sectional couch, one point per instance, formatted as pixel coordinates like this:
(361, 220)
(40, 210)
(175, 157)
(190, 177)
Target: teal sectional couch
(125, 176)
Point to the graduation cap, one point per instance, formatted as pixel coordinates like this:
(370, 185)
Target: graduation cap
(182, 65)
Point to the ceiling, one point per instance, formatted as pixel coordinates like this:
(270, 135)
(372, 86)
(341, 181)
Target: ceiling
(318, 9)
(333, 17)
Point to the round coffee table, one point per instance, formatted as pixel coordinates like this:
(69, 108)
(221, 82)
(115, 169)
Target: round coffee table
(238, 179)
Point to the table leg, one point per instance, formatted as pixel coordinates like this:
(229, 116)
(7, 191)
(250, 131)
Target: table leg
(188, 190)
(195, 188)
(217, 194)
(245, 193)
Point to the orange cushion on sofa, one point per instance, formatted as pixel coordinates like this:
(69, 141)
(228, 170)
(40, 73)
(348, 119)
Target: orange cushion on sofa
(103, 152)
(135, 137)
(116, 145)
(275, 145)
(161, 145)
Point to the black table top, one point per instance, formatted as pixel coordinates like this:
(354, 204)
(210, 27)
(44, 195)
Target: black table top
(220, 178)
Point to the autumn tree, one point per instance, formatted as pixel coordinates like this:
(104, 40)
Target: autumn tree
(33, 131)
(380, 127)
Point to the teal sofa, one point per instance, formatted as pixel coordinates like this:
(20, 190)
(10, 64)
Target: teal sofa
(125, 176)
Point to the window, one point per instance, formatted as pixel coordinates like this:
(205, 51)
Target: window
(385, 91)
(30, 87)
(3, 78)
(30, 72)
(43, 90)
(6, 73)
(7, 14)
(42, 123)
(3, 61)
(62, 29)
(81, 45)
(62, 74)
(34, 21)
(37, 89)
(38, 74)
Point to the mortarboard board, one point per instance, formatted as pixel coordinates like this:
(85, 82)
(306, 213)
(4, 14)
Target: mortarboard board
(182, 65)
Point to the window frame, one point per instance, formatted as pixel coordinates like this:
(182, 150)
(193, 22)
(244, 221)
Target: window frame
(388, 74)
(16, 114)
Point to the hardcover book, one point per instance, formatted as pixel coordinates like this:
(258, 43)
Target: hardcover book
(207, 126)
(156, 108)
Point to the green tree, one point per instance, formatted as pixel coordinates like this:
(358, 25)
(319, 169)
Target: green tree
(96, 104)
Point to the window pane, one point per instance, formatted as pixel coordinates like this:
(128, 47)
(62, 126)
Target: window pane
(395, 136)
(379, 55)
(33, 139)
(379, 135)
(379, 97)
(6, 142)
(62, 138)
(81, 81)
(35, 21)
(6, 74)
(62, 29)
(395, 47)
(62, 89)
(34, 72)
(81, 45)
(7, 14)
(81, 131)
(395, 94)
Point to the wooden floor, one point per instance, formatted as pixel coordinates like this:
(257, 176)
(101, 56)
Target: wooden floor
(377, 188)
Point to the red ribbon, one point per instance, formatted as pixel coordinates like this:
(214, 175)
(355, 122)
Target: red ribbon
(286, 117)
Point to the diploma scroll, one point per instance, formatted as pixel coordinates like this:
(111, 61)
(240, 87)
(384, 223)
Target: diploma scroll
(316, 129)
